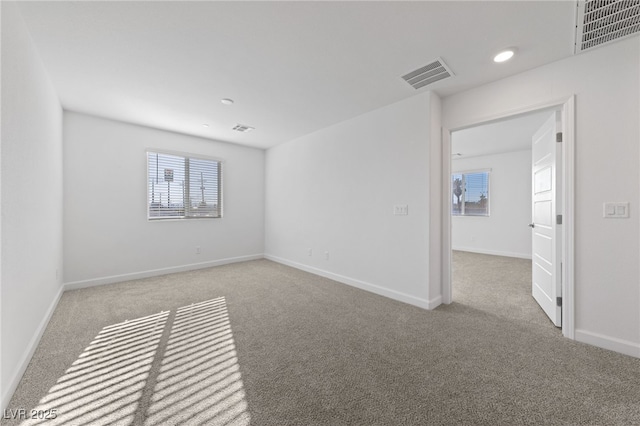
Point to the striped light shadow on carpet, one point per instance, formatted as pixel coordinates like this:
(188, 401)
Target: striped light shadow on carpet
(107, 379)
(141, 372)
(199, 378)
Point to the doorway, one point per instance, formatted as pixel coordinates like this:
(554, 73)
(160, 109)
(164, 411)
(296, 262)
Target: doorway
(476, 241)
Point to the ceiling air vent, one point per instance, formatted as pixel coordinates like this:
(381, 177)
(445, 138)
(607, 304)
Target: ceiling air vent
(242, 128)
(435, 71)
(603, 21)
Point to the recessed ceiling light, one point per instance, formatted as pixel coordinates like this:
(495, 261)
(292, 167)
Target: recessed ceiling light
(205, 125)
(505, 55)
(227, 101)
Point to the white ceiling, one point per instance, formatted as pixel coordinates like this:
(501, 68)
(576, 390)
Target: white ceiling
(291, 67)
(513, 134)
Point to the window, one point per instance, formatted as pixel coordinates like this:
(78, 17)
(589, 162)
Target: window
(470, 193)
(183, 187)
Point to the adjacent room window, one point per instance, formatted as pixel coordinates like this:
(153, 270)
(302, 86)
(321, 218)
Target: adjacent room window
(470, 193)
(183, 186)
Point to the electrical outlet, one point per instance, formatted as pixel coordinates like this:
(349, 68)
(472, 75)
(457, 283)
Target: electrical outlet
(401, 210)
(326, 255)
(198, 250)
(309, 252)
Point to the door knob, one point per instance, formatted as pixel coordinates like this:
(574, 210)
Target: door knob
(532, 225)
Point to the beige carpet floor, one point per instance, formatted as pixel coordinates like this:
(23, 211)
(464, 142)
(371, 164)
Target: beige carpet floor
(258, 343)
(497, 285)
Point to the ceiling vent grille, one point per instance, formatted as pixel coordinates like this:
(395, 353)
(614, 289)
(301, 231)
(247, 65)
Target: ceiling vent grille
(604, 21)
(435, 71)
(242, 128)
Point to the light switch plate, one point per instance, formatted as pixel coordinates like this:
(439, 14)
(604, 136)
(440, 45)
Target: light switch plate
(616, 210)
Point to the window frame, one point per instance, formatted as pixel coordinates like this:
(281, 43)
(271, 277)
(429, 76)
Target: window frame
(462, 173)
(185, 155)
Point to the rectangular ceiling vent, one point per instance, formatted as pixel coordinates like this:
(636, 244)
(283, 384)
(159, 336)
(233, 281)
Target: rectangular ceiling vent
(604, 21)
(435, 71)
(242, 128)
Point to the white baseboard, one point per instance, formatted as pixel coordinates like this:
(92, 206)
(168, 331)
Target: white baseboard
(382, 291)
(28, 353)
(155, 272)
(493, 252)
(434, 303)
(606, 342)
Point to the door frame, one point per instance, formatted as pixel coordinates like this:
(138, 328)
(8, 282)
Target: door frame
(567, 106)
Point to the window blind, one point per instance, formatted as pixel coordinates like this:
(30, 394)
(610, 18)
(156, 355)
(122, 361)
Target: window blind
(183, 186)
(470, 194)
(476, 201)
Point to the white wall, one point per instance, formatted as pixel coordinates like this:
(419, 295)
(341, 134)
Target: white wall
(31, 278)
(334, 191)
(504, 232)
(107, 235)
(607, 293)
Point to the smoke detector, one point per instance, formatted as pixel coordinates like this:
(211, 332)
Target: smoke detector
(428, 74)
(604, 21)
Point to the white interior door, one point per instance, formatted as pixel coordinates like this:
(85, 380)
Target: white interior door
(546, 238)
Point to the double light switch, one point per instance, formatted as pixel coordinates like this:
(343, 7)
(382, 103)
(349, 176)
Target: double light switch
(616, 210)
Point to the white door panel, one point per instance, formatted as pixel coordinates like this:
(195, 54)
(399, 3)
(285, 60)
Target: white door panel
(543, 281)
(546, 286)
(542, 180)
(543, 213)
(545, 247)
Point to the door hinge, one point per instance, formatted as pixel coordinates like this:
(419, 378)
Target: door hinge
(559, 137)
(559, 301)
(559, 219)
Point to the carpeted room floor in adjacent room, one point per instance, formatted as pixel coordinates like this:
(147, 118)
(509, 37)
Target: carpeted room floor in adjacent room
(259, 343)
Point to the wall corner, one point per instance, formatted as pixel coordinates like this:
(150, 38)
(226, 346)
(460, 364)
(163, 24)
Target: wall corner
(435, 197)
